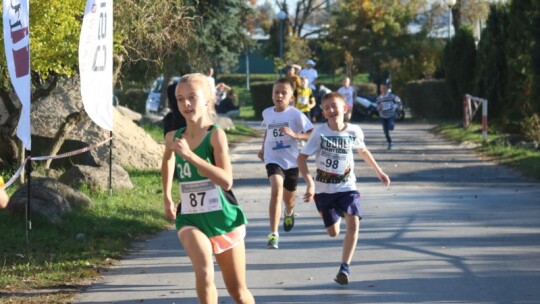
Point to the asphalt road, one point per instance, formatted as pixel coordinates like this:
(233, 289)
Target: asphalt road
(452, 228)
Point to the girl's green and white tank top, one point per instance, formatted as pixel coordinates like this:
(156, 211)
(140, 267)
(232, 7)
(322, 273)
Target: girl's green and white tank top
(204, 204)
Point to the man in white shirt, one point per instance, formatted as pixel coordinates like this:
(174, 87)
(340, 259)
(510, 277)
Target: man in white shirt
(310, 73)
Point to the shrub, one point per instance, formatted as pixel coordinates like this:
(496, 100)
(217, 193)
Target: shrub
(459, 56)
(429, 99)
(133, 98)
(261, 97)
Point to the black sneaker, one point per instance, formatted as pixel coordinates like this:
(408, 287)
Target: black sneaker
(342, 276)
(288, 222)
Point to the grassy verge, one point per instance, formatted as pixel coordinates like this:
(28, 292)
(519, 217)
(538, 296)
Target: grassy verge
(496, 147)
(61, 258)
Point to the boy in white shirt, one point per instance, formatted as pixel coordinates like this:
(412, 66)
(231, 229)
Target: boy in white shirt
(334, 188)
(285, 126)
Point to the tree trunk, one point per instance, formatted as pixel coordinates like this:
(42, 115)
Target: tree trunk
(71, 121)
(456, 16)
(8, 139)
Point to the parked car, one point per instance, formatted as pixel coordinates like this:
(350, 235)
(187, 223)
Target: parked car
(153, 101)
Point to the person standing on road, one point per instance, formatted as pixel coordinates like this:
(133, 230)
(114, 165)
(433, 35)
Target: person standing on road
(285, 126)
(347, 91)
(209, 219)
(334, 189)
(387, 103)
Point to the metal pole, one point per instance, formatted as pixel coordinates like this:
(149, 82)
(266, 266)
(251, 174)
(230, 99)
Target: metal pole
(449, 20)
(28, 206)
(247, 70)
(110, 163)
(484, 119)
(281, 39)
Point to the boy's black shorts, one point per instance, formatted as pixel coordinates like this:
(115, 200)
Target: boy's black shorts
(290, 176)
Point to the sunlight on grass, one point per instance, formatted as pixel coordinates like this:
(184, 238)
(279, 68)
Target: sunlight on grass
(87, 239)
(522, 159)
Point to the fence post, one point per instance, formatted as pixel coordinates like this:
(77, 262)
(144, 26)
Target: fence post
(466, 107)
(484, 119)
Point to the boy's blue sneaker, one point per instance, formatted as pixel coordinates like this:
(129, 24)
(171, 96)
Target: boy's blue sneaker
(273, 241)
(342, 276)
(288, 222)
(389, 146)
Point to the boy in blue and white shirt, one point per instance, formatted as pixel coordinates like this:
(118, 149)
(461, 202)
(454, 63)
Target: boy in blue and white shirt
(334, 188)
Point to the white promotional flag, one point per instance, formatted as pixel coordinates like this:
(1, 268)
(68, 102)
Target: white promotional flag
(95, 61)
(17, 46)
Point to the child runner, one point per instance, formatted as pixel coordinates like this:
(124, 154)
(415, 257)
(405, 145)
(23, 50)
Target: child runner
(304, 98)
(334, 189)
(284, 125)
(347, 91)
(387, 103)
(209, 218)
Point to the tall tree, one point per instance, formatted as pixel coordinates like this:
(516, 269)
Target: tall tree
(520, 47)
(374, 32)
(492, 68)
(222, 34)
(53, 54)
(460, 58)
(144, 31)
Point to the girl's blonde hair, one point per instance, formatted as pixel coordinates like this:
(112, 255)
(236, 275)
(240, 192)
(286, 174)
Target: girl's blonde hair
(209, 91)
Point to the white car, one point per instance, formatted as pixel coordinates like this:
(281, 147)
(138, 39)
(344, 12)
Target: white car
(154, 95)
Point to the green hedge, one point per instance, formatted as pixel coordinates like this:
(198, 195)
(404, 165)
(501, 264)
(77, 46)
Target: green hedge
(134, 99)
(240, 79)
(430, 99)
(261, 97)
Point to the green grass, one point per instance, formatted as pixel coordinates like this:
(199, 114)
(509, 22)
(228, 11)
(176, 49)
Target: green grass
(522, 159)
(57, 257)
(154, 130)
(240, 133)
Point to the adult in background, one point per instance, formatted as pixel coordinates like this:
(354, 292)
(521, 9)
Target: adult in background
(227, 106)
(387, 103)
(310, 73)
(221, 92)
(210, 75)
(173, 120)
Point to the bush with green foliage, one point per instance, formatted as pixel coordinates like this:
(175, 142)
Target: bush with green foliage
(261, 97)
(459, 58)
(492, 69)
(428, 98)
(133, 98)
(519, 51)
